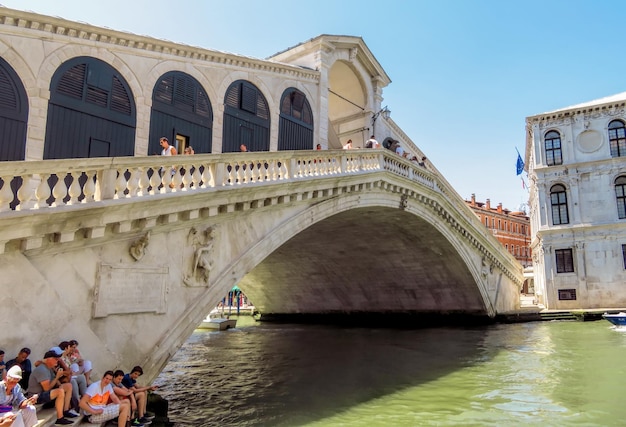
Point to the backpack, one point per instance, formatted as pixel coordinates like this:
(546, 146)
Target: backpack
(368, 144)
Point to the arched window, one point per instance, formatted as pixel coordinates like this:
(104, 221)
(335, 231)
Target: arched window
(554, 156)
(558, 201)
(296, 122)
(91, 112)
(181, 111)
(617, 138)
(620, 196)
(13, 114)
(246, 118)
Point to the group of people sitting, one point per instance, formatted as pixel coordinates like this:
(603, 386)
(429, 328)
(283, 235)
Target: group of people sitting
(62, 380)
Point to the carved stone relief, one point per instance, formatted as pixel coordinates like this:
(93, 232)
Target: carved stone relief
(138, 248)
(202, 243)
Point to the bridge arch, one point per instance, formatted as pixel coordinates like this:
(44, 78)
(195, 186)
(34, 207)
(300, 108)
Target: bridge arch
(13, 114)
(247, 118)
(289, 269)
(181, 111)
(91, 92)
(295, 121)
(347, 102)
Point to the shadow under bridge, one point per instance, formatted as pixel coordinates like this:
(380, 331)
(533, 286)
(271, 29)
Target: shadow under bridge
(373, 263)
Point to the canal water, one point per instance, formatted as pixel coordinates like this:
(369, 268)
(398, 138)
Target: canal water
(561, 373)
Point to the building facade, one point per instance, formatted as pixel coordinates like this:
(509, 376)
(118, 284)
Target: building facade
(73, 90)
(512, 229)
(576, 163)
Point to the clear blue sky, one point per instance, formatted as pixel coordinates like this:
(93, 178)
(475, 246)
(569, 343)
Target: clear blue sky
(465, 74)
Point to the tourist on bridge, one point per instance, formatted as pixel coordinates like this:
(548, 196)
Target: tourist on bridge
(168, 150)
(95, 403)
(372, 143)
(12, 397)
(348, 145)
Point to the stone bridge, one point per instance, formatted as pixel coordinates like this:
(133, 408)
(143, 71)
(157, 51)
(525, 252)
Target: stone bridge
(129, 254)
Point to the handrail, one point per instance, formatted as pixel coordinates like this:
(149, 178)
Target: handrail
(46, 184)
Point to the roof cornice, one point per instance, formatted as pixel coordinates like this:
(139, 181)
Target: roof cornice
(54, 26)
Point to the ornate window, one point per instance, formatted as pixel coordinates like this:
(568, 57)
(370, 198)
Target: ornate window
(617, 138)
(620, 196)
(558, 201)
(554, 155)
(564, 260)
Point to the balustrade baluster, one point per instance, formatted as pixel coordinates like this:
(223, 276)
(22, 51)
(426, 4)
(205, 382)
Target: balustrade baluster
(248, 173)
(74, 189)
(133, 182)
(42, 194)
(144, 182)
(166, 179)
(89, 189)
(196, 177)
(155, 180)
(238, 173)
(120, 184)
(177, 180)
(6, 194)
(59, 191)
(24, 193)
(187, 178)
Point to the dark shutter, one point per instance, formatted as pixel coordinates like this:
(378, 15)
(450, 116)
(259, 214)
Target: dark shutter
(72, 82)
(8, 97)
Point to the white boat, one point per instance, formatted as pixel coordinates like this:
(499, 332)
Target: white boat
(217, 323)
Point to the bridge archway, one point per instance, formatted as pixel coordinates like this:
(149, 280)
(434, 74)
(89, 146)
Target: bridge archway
(295, 122)
(13, 114)
(90, 92)
(347, 101)
(246, 118)
(182, 112)
(308, 264)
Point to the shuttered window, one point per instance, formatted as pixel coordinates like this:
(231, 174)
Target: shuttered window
(72, 82)
(183, 93)
(295, 104)
(8, 97)
(120, 101)
(564, 261)
(96, 84)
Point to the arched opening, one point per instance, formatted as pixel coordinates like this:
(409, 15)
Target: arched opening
(181, 111)
(347, 100)
(13, 114)
(295, 122)
(91, 112)
(246, 118)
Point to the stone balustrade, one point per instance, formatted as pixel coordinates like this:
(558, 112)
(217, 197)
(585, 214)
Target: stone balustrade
(48, 184)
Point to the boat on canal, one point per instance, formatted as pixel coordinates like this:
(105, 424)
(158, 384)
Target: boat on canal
(617, 319)
(214, 322)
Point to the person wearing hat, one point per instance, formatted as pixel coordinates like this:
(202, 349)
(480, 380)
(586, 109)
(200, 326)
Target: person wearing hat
(11, 395)
(45, 381)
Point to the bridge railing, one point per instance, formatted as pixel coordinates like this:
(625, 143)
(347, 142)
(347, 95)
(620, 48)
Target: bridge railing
(48, 184)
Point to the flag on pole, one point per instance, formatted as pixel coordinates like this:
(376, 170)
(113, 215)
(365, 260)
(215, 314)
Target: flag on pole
(520, 163)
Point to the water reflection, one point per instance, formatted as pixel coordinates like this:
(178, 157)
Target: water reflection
(556, 373)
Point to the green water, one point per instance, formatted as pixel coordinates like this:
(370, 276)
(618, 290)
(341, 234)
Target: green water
(540, 373)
